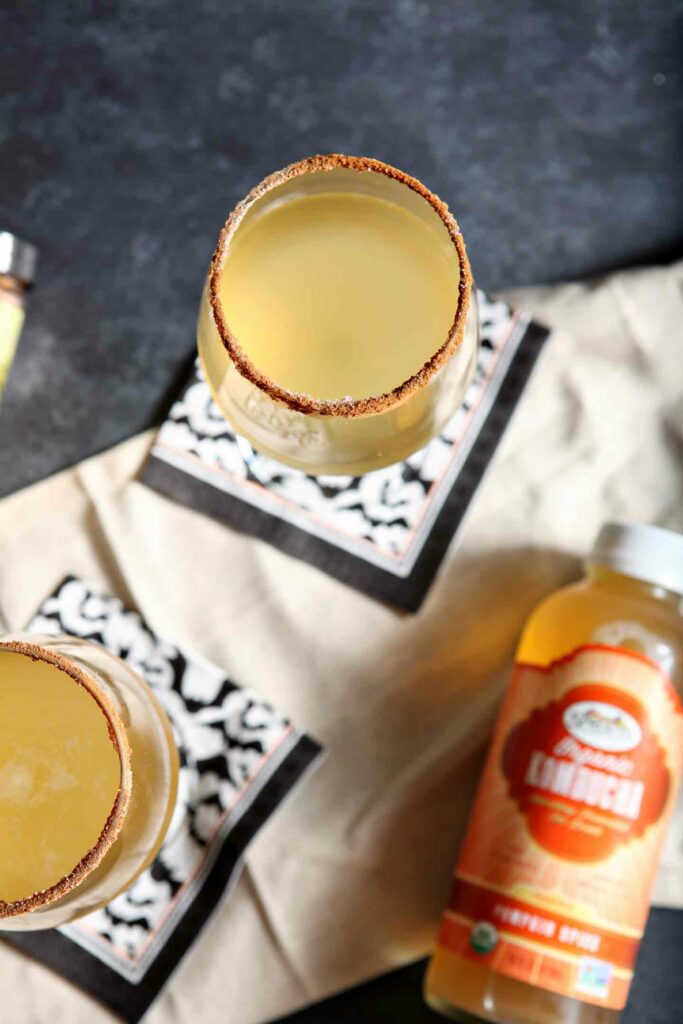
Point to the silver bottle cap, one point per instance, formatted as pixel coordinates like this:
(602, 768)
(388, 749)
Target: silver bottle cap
(17, 257)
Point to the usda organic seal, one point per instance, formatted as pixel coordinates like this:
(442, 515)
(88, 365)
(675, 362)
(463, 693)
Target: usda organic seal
(483, 937)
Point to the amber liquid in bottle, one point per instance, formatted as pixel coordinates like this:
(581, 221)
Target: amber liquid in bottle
(616, 608)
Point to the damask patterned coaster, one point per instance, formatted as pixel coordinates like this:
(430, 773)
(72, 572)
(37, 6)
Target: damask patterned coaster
(385, 532)
(239, 758)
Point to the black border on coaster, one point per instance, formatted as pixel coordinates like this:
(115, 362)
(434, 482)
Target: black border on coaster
(131, 1001)
(405, 592)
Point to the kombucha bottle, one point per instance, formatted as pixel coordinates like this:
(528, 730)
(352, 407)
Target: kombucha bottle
(551, 892)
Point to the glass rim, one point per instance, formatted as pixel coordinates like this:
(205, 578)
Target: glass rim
(348, 408)
(114, 822)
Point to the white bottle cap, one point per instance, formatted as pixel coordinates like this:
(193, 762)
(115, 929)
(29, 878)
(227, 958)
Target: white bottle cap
(646, 552)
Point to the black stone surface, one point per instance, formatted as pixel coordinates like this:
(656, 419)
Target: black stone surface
(396, 998)
(128, 131)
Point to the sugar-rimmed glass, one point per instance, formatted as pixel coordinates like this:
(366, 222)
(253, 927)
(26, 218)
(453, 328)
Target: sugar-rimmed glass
(345, 435)
(148, 759)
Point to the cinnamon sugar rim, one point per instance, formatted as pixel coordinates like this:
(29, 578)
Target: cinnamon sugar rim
(345, 407)
(117, 815)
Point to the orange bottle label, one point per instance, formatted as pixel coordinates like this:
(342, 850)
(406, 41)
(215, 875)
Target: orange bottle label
(553, 882)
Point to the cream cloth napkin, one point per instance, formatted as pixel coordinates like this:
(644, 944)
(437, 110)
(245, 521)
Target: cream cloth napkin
(349, 878)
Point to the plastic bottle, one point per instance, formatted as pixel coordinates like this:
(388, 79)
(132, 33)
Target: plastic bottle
(551, 891)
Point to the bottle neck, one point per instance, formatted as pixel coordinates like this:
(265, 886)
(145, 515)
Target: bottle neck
(606, 577)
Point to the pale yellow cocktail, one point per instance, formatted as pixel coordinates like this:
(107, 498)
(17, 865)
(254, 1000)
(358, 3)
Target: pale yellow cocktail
(334, 329)
(88, 777)
(339, 295)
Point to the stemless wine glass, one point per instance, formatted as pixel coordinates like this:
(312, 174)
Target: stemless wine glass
(342, 434)
(87, 750)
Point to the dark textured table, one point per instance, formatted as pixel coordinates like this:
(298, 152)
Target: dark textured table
(129, 130)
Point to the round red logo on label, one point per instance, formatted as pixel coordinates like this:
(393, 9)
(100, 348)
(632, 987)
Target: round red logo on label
(587, 772)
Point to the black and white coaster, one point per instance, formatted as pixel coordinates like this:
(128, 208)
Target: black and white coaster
(385, 532)
(239, 758)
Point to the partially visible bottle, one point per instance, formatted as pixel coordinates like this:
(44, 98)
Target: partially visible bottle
(18, 261)
(551, 891)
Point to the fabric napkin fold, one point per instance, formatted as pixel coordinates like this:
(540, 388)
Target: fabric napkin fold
(385, 532)
(239, 758)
